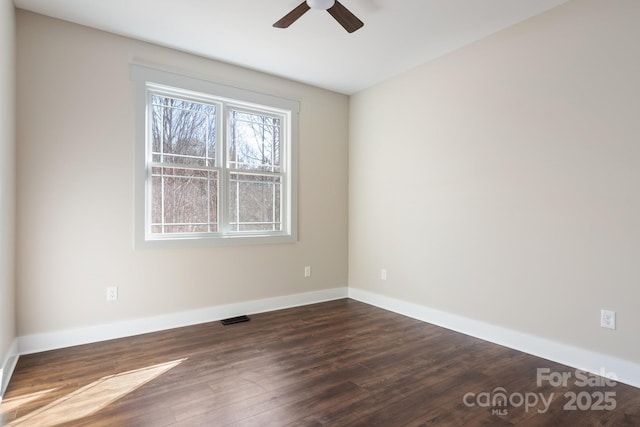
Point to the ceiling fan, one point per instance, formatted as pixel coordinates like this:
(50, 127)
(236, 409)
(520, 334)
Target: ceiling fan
(348, 20)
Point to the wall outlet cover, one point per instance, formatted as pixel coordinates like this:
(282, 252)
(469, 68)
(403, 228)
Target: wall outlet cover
(608, 319)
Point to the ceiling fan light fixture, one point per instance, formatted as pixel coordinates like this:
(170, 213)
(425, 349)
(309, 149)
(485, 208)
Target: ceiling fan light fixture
(321, 4)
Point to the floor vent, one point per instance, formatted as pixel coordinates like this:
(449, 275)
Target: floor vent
(232, 320)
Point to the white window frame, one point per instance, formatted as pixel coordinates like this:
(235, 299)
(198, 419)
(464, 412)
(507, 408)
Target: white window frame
(150, 80)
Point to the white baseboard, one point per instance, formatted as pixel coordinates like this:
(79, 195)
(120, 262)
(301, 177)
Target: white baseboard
(7, 365)
(66, 338)
(579, 358)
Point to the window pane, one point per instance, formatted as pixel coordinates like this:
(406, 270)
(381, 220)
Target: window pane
(255, 202)
(184, 132)
(254, 141)
(184, 200)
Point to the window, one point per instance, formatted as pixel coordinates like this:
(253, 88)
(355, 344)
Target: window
(214, 164)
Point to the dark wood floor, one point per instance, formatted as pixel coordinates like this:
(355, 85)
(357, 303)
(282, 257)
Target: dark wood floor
(332, 364)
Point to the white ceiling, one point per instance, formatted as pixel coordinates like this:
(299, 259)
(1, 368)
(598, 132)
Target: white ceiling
(397, 35)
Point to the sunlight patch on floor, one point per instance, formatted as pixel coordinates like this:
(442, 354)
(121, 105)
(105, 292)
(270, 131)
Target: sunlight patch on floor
(11, 404)
(93, 397)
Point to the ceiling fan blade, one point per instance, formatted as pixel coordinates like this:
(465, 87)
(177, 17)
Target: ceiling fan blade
(348, 20)
(292, 16)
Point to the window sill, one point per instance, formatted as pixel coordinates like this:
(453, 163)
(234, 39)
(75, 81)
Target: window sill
(200, 242)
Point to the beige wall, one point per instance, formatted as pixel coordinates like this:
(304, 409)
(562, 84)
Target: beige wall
(76, 189)
(7, 182)
(502, 182)
(499, 183)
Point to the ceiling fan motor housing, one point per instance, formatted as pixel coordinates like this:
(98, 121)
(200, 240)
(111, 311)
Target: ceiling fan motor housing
(320, 4)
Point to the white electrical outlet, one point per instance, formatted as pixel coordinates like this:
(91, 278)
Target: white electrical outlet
(608, 319)
(112, 293)
(383, 274)
(307, 271)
